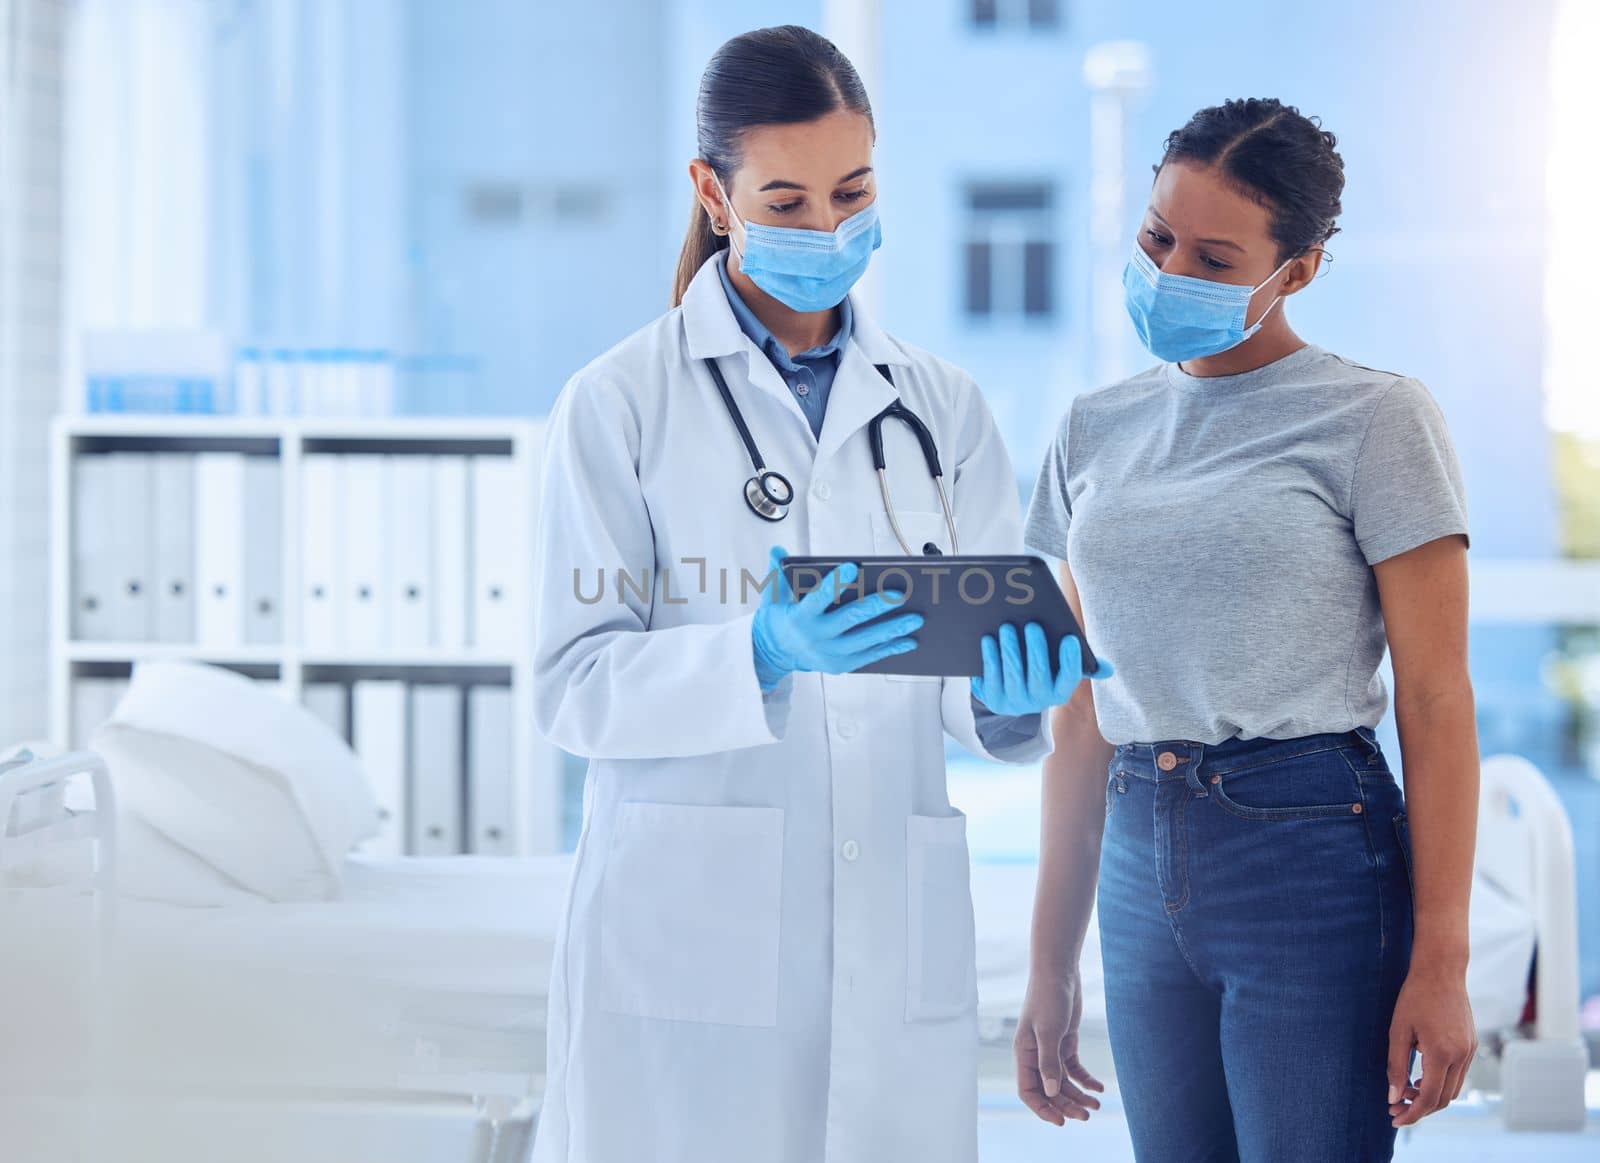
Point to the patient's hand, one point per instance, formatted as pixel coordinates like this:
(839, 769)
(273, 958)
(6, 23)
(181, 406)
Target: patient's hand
(1432, 1016)
(1049, 1074)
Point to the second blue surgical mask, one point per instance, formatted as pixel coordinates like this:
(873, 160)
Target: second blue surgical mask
(809, 270)
(1181, 318)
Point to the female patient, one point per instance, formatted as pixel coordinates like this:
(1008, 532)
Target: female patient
(1245, 527)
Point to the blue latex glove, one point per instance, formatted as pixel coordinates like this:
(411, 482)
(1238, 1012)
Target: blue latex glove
(791, 635)
(1008, 687)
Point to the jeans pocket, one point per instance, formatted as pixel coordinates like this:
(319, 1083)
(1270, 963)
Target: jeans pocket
(1116, 784)
(1319, 786)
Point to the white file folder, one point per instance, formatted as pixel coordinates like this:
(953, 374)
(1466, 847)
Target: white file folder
(93, 700)
(131, 609)
(362, 610)
(408, 497)
(451, 552)
(263, 550)
(491, 803)
(496, 542)
(330, 702)
(172, 578)
(219, 547)
(93, 550)
(378, 733)
(436, 777)
(321, 585)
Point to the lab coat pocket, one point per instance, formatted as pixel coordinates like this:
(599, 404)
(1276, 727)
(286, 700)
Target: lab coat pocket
(919, 528)
(690, 910)
(941, 951)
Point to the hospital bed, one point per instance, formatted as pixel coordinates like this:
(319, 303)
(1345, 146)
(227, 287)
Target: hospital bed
(403, 1020)
(1523, 903)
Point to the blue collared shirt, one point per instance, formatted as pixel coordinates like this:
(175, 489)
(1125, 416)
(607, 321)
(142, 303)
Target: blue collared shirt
(809, 374)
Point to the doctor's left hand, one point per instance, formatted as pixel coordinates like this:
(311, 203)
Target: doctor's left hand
(1010, 686)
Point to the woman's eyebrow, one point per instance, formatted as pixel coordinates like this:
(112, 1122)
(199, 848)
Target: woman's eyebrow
(1211, 241)
(781, 184)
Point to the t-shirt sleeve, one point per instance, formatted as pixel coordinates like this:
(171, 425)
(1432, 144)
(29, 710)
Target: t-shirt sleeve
(1407, 488)
(1050, 510)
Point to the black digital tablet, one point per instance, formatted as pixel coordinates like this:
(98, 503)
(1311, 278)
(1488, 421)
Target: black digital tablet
(960, 598)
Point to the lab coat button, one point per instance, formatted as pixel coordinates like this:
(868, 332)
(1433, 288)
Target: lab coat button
(850, 850)
(847, 728)
(823, 491)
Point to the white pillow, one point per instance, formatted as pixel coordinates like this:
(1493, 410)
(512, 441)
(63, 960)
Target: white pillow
(260, 789)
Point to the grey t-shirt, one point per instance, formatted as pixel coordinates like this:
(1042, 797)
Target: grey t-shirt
(1222, 532)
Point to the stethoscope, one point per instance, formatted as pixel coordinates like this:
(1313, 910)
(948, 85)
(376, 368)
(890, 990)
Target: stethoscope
(769, 493)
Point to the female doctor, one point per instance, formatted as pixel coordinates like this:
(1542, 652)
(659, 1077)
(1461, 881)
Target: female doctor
(768, 949)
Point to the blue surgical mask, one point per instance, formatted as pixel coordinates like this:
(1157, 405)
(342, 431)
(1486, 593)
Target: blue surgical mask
(808, 270)
(1181, 318)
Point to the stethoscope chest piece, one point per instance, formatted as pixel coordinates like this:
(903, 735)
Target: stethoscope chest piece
(769, 495)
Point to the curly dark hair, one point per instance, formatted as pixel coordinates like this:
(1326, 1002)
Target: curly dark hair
(1274, 154)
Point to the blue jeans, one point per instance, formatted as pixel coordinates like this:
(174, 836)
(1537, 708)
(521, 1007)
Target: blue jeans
(1255, 923)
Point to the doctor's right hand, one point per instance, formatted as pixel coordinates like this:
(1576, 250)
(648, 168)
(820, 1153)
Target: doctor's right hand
(790, 635)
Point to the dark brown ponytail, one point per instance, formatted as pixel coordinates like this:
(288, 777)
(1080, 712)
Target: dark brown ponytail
(698, 245)
(772, 76)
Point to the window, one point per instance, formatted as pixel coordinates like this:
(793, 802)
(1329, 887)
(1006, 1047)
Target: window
(1029, 14)
(1011, 251)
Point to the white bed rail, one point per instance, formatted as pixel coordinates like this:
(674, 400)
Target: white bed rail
(1525, 849)
(34, 814)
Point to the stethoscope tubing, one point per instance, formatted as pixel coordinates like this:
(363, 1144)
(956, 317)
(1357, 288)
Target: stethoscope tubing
(769, 493)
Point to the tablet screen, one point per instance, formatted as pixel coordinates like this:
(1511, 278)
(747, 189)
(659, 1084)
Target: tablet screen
(961, 599)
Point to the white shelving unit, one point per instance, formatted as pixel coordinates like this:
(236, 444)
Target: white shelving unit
(538, 775)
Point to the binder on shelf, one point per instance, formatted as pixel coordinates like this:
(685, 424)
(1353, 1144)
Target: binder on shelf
(172, 572)
(378, 733)
(436, 776)
(93, 700)
(280, 380)
(363, 610)
(219, 548)
(451, 553)
(321, 585)
(408, 580)
(249, 383)
(495, 547)
(128, 517)
(93, 549)
(491, 804)
(330, 702)
(263, 550)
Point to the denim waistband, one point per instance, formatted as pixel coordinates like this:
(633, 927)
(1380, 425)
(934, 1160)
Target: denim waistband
(1145, 759)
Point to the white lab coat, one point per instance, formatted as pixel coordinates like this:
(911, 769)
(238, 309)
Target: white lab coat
(767, 955)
